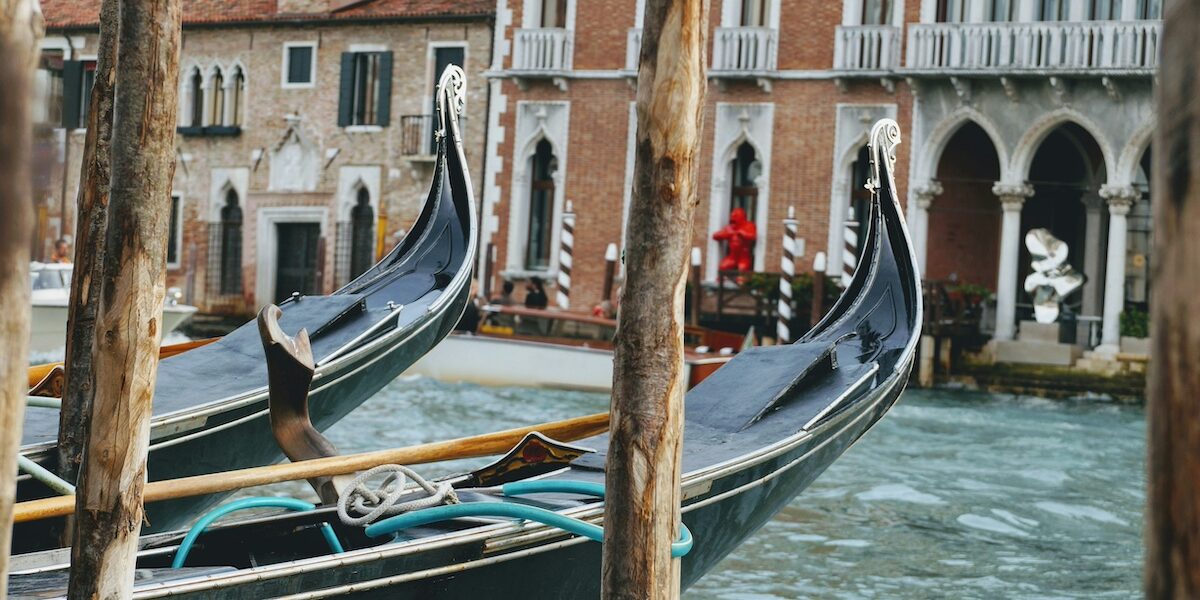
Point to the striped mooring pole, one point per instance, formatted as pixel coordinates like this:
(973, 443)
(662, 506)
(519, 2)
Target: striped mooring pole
(787, 268)
(849, 246)
(563, 296)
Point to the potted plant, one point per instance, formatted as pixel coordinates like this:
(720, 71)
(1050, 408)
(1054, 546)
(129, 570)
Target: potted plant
(1135, 331)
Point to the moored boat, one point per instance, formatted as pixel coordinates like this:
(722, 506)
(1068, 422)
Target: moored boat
(757, 432)
(210, 403)
(51, 298)
(516, 346)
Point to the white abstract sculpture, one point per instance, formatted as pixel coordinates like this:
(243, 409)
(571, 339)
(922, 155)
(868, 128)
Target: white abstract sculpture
(1052, 279)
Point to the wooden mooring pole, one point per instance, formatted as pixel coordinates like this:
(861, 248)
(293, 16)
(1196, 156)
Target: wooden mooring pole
(92, 215)
(1172, 568)
(20, 32)
(641, 514)
(108, 513)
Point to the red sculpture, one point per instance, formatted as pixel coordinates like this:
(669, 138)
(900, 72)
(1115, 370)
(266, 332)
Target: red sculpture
(740, 235)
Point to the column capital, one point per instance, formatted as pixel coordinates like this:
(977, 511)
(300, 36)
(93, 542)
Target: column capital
(1120, 197)
(926, 192)
(1012, 195)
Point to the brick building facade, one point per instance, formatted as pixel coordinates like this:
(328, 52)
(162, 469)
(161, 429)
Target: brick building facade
(302, 126)
(783, 129)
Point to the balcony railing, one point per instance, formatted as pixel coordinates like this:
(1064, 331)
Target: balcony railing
(866, 48)
(1060, 46)
(542, 50)
(633, 48)
(416, 135)
(746, 50)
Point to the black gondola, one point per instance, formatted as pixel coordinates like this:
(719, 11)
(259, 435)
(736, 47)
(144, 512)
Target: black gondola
(757, 432)
(210, 403)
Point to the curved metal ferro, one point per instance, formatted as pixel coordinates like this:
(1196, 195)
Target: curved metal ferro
(289, 374)
(452, 84)
(885, 135)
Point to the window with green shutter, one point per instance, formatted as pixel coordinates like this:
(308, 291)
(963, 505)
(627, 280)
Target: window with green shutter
(365, 94)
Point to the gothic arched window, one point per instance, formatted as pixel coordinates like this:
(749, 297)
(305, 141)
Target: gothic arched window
(542, 166)
(231, 244)
(744, 188)
(196, 89)
(217, 88)
(362, 234)
(236, 100)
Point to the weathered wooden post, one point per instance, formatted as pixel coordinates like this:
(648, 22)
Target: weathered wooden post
(818, 289)
(92, 215)
(566, 248)
(610, 272)
(20, 31)
(108, 509)
(641, 513)
(1173, 413)
(697, 292)
(787, 270)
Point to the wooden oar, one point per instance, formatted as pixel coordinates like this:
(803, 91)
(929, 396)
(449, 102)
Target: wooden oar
(39, 372)
(467, 447)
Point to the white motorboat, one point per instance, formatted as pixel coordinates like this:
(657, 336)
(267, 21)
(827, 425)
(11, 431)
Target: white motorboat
(51, 297)
(514, 346)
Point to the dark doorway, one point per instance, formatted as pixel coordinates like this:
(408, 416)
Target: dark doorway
(442, 58)
(296, 259)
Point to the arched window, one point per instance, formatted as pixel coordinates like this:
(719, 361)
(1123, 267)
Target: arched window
(746, 171)
(231, 244)
(542, 166)
(554, 14)
(236, 100)
(196, 89)
(217, 115)
(860, 198)
(754, 13)
(362, 234)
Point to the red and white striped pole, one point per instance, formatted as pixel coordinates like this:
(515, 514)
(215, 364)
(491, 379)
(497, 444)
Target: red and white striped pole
(787, 268)
(567, 247)
(849, 246)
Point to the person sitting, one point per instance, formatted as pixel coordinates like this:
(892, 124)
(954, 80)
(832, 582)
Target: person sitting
(506, 297)
(62, 252)
(469, 321)
(535, 294)
(739, 236)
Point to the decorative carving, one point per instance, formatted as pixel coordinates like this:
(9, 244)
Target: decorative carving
(534, 455)
(1061, 90)
(1052, 279)
(1120, 197)
(888, 84)
(926, 193)
(1012, 192)
(1110, 86)
(1010, 89)
(913, 87)
(885, 136)
(962, 87)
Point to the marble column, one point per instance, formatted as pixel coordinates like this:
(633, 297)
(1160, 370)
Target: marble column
(920, 223)
(1092, 204)
(1012, 197)
(1120, 200)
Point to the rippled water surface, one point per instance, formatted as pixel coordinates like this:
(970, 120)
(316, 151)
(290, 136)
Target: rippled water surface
(953, 495)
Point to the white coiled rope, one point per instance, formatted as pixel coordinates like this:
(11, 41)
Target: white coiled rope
(370, 504)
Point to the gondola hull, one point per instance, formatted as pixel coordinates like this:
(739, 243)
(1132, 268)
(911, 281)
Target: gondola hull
(757, 432)
(210, 403)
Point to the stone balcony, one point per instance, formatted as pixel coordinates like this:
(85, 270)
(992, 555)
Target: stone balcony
(1098, 48)
(542, 50)
(866, 49)
(744, 51)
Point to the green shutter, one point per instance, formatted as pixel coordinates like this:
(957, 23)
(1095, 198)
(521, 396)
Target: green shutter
(72, 90)
(385, 88)
(346, 90)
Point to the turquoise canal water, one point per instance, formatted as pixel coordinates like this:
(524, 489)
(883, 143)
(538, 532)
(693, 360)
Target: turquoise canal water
(953, 495)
